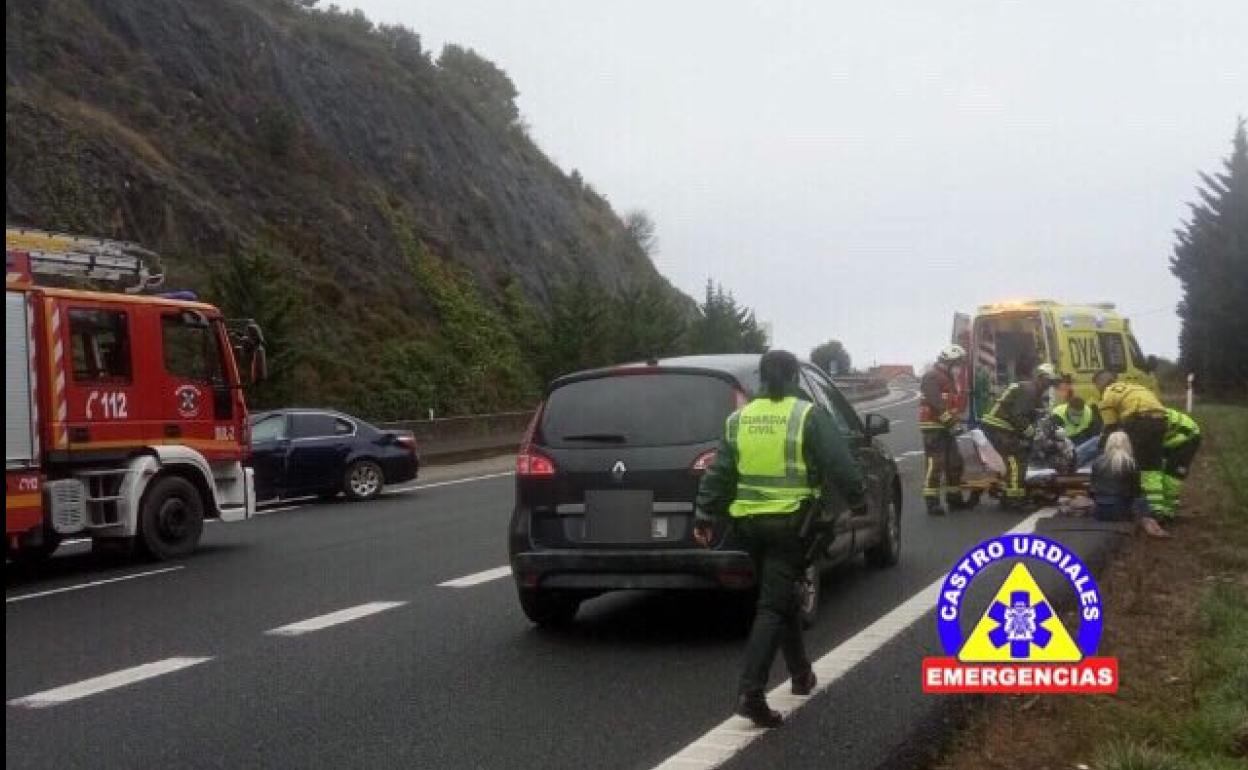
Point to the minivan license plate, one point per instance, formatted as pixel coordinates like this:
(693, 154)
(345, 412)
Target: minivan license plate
(658, 527)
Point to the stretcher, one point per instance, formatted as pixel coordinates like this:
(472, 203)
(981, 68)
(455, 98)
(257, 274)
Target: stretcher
(983, 474)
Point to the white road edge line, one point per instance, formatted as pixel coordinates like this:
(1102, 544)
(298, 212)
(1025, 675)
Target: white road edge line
(730, 737)
(333, 618)
(450, 482)
(478, 578)
(92, 584)
(99, 684)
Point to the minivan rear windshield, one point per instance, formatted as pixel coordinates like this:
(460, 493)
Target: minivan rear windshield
(662, 409)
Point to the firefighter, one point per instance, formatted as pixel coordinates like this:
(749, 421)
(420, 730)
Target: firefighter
(940, 403)
(1010, 425)
(1135, 410)
(779, 458)
(1179, 448)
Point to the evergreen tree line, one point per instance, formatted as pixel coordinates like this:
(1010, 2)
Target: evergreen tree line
(485, 354)
(1211, 262)
(588, 327)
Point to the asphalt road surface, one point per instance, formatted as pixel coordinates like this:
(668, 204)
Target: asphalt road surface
(387, 634)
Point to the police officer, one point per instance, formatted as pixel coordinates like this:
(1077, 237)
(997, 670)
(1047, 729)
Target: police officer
(779, 457)
(1010, 425)
(939, 405)
(1179, 448)
(1133, 408)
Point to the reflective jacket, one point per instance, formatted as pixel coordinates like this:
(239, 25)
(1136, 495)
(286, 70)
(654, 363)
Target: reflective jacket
(1016, 410)
(771, 465)
(940, 402)
(821, 449)
(1123, 400)
(1088, 425)
(1180, 429)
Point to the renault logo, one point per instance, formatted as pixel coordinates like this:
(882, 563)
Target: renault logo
(618, 470)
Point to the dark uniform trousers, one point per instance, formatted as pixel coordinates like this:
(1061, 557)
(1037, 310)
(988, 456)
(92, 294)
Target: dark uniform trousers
(774, 544)
(1148, 434)
(942, 464)
(1013, 451)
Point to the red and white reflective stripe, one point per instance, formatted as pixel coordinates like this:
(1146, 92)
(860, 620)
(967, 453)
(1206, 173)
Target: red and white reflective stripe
(59, 400)
(33, 366)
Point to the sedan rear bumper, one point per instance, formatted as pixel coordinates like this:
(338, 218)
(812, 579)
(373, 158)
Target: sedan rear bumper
(611, 570)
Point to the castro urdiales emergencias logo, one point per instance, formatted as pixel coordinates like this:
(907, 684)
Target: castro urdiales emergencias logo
(1019, 644)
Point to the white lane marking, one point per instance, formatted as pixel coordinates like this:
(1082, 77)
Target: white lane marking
(433, 484)
(99, 684)
(92, 584)
(478, 578)
(76, 541)
(731, 736)
(911, 453)
(333, 618)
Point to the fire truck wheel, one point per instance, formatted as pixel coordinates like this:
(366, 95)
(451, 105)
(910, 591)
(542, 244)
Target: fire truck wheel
(171, 518)
(363, 480)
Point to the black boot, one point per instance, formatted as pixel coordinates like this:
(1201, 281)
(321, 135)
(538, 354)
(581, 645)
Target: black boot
(956, 502)
(934, 507)
(1013, 504)
(753, 706)
(804, 684)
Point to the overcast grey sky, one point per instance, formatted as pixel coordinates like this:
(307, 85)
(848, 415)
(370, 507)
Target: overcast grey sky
(862, 170)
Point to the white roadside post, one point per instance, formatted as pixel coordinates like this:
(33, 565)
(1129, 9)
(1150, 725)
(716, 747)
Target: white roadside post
(1191, 377)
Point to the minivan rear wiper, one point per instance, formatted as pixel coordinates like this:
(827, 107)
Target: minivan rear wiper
(605, 438)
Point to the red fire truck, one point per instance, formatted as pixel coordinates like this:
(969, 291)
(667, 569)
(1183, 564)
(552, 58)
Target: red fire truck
(125, 418)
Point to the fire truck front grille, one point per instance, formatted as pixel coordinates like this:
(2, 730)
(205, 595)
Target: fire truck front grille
(67, 505)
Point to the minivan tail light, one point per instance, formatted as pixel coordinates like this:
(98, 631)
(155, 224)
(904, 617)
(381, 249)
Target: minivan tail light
(531, 464)
(703, 461)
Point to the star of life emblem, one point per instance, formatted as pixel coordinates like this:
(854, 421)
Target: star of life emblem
(1020, 623)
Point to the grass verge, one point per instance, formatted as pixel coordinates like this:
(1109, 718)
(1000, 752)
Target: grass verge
(1177, 614)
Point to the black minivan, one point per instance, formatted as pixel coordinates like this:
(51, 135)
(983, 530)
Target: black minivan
(607, 475)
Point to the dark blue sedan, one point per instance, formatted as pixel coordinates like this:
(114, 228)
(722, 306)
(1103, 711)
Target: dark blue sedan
(303, 452)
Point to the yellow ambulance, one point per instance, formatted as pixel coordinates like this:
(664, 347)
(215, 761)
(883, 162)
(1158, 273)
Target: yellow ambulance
(1006, 340)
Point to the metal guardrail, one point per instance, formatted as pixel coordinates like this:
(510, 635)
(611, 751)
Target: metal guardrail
(444, 438)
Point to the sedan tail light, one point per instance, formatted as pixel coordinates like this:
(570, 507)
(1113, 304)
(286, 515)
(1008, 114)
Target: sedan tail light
(407, 442)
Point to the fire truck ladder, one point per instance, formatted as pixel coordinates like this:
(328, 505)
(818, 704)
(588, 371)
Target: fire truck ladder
(123, 264)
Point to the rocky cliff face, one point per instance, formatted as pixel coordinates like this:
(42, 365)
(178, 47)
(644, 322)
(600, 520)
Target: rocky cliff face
(204, 127)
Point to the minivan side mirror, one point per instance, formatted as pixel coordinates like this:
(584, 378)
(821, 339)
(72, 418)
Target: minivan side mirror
(877, 425)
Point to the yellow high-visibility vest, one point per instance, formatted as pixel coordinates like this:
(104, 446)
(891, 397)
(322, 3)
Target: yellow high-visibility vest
(1180, 429)
(772, 477)
(1062, 412)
